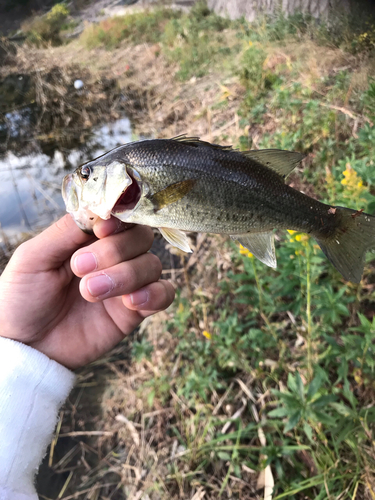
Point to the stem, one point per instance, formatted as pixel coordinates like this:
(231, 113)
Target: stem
(258, 285)
(190, 295)
(308, 311)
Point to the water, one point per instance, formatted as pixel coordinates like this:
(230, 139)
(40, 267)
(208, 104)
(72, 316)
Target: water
(30, 186)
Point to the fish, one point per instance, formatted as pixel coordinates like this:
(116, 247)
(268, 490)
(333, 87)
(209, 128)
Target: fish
(188, 185)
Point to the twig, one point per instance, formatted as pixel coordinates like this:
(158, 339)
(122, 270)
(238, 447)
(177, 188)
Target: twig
(222, 399)
(219, 130)
(235, 415)
(343, 110)
(87, 433)
(39, 188)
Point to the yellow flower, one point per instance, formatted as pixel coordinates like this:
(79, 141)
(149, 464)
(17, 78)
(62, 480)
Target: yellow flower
(352, 182)
(180, 308)
(292, 233)
(302, 238)
(207, 334)
(245, 251)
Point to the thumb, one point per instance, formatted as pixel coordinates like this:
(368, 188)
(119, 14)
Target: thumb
(54, 245)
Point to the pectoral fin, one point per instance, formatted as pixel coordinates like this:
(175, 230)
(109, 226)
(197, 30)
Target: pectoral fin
(176, 238)
(172, 193)
(261, 245)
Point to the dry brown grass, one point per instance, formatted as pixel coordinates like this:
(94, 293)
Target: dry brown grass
(158, 104)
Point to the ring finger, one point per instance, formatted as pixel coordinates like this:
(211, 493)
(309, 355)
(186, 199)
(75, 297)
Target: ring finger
(151, 298)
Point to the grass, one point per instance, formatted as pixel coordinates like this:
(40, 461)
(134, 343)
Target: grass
(47, 28)
(253, 374)
(192, 40)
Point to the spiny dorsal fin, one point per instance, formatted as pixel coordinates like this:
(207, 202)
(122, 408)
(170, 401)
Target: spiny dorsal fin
(172, 193)
(280, 161)
(195, 141)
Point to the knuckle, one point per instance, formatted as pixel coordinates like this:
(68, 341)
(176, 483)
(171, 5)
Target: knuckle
(132, 276)
(21, 251)
(118, 249)
(148, 236)
(63, 224)
(155, 264)
(162, 296)
(110, 250)
(144, 235)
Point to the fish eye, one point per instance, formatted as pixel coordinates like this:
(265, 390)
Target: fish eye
(85, 172)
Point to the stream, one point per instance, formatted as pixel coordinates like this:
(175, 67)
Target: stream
(30, 185)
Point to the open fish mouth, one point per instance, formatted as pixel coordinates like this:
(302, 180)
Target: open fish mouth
(129, 198)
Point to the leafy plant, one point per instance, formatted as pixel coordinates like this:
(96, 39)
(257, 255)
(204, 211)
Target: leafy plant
(138, 27)
(46, 29)
(303, 404)
(142, 349)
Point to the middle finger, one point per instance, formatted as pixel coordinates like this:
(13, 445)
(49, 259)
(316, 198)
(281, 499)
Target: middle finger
(121, 279)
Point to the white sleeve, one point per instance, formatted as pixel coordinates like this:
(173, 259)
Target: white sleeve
(32, 389)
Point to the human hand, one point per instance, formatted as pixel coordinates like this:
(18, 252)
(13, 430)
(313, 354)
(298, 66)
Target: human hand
(73, 296)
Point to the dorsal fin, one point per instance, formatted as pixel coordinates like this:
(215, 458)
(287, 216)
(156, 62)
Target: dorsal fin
(195, 141)
(278, 160)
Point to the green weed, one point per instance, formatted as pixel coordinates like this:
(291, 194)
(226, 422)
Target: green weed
(139, 27)
(141, 349)
(47, 28)
(194, 41)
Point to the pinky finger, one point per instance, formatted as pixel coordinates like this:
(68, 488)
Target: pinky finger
(151, 298)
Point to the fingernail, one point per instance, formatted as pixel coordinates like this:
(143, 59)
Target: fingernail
(85, 263)
(138, 298)
(100, 285)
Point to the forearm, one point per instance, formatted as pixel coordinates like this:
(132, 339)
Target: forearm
(32, 389)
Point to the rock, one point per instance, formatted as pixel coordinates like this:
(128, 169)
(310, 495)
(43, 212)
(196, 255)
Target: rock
(251, 9)
(78, 84)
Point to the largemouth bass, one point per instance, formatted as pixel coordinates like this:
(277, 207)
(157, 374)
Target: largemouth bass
(185, 184)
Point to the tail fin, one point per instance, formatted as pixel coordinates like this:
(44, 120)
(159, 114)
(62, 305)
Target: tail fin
(347, 247)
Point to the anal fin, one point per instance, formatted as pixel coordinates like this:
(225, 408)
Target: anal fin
(176, 238)
(261, 245)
